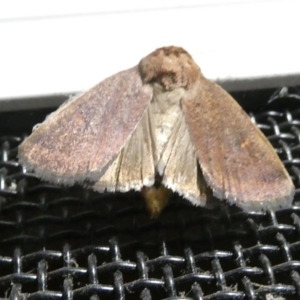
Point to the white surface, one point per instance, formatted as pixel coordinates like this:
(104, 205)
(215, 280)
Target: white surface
(56, 47)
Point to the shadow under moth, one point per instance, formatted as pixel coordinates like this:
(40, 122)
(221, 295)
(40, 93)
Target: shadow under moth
(160, 127)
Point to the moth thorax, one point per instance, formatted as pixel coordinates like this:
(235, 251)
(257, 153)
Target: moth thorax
(171, 67)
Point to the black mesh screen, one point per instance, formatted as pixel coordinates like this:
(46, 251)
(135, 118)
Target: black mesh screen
(59, 243)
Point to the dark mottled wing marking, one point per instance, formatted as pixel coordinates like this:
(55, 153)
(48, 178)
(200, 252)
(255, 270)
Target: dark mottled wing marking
(81, 139)
(237, 160)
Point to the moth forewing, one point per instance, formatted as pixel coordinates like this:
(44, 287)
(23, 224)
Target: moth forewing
(81, 139)
(237, 160)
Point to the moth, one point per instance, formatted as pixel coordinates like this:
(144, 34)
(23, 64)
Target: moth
(160, 127)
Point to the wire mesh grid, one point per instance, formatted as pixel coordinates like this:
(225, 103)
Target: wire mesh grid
(70, 243)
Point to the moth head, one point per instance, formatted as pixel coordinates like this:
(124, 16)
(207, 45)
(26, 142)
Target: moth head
(171, 67)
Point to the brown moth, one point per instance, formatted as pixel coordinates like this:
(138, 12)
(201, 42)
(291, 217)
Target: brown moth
(158, 127)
